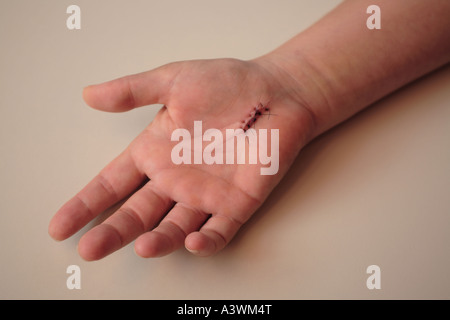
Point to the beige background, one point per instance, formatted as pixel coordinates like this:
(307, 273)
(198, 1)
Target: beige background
(374, 190)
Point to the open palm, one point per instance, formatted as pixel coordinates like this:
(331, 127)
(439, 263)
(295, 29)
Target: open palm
(199, 205)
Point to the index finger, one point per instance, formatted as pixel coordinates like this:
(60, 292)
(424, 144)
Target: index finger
(117, 180)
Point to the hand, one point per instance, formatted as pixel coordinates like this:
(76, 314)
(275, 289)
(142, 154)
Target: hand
(199, 205)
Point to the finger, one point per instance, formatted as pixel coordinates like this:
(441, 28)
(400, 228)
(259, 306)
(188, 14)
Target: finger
(131, 91)
(171, 232)
(141, 212)
(117, 180)
(215, 234)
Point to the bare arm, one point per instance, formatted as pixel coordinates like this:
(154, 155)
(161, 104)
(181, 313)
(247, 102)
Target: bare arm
(340, 66)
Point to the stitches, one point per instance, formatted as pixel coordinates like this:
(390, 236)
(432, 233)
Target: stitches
(254, 115)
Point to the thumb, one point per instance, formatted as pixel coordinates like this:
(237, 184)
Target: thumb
(131, 91)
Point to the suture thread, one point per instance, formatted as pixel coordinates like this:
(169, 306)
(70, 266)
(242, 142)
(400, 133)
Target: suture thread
(254, 115)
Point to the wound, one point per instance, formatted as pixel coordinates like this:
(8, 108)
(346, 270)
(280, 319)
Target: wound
(254, 115)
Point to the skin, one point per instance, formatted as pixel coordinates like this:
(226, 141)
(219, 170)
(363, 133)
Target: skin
(218, 93)
(311, 83)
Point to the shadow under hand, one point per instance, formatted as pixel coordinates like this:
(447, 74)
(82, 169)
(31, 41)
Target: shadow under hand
(322, 164)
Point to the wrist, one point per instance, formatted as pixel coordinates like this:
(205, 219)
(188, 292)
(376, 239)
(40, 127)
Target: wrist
(304, 83)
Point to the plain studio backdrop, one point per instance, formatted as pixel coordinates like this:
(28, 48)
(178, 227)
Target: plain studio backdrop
(372, 191)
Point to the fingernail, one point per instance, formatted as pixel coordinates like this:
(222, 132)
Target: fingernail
(193, 251)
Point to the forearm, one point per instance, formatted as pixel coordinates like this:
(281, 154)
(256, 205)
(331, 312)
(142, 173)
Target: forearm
(338, 66)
